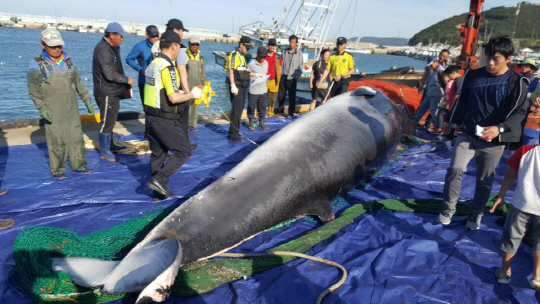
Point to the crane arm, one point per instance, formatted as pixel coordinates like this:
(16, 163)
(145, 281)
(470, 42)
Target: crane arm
(469, 32)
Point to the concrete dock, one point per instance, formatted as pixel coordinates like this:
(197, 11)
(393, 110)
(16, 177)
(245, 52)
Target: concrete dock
(32, 131)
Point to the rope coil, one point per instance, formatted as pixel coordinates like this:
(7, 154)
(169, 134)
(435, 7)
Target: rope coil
(298, 255)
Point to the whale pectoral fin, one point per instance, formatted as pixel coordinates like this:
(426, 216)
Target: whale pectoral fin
(142, 266)
(160, 288)
(322, 209)
(85, 272)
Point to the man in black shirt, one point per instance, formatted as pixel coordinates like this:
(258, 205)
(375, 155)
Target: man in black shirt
(490, 111)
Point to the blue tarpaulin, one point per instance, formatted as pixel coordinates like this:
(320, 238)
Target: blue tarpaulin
(391, 257)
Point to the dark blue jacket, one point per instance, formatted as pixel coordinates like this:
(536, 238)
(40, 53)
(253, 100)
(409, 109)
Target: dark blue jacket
(514, 108)
(140, 57)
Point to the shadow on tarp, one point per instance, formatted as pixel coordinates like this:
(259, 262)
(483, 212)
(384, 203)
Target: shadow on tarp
(390, 257)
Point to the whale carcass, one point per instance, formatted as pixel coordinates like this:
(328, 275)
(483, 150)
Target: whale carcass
(299, 170)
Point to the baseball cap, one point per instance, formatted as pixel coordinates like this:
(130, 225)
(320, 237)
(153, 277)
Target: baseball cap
(176, 24)
(261, 52)
(194, 40)
(170, 36)
(342, 40)
(272, 41)
(246, 40)
(152, 31)
(115, 27)
(51, 37)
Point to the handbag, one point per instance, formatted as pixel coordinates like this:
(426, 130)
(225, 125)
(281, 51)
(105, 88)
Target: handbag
(324, 84)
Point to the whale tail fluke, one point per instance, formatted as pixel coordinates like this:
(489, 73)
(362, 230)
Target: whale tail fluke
(85, 272)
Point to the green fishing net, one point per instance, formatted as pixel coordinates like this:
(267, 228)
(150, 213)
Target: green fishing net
(35, 246)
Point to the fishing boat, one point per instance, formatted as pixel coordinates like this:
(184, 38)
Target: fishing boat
(311, 22)
(358, 51)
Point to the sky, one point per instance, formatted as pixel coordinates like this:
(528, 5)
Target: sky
(353, 18)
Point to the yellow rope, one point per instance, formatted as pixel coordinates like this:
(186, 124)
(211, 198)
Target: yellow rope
(298, 255)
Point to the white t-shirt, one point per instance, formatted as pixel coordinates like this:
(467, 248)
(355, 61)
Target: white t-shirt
(526, 161)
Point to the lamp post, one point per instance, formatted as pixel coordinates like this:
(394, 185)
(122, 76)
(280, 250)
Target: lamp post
(515, 23)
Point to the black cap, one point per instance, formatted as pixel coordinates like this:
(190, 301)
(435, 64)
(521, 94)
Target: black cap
(342, 40)
(152, 31)
(170, 36)
(272, 41)
(246, 40)
(261, 52)
(176, 24)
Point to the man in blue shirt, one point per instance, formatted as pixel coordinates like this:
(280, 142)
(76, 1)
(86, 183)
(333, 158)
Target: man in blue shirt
(140, 56)
(490, 111)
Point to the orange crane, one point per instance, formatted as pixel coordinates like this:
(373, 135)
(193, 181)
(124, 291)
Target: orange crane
(469, 31)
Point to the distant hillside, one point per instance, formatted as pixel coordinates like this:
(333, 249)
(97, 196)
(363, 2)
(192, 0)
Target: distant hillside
(385, 41)
(498, 20)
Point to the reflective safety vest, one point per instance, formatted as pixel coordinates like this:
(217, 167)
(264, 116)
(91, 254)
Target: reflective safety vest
(156, 101)
(191, 56)
(237, 62)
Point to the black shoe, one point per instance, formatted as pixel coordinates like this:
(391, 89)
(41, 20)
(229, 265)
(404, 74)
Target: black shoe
(158, 196)
(193, 147)
(156, 186)
(235, 138)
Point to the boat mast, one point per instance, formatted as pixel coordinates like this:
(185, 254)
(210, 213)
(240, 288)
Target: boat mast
(314, 20)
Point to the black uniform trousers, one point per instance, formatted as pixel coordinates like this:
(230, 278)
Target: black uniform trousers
(287, 86)
(108, 112)
(237, 107)
(340, 87)
(167, 135)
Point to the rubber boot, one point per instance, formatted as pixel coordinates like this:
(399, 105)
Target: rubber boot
(105, 147)
(116, 145)
(262, 125)
(251, 127)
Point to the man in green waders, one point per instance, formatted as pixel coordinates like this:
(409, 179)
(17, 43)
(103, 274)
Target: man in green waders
(196, 76)
(53, 85)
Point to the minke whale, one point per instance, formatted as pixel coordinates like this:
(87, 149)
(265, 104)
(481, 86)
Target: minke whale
(297, 171)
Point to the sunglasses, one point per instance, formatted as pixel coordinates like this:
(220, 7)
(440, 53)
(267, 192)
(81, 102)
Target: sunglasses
(54, 47)
(195, 44)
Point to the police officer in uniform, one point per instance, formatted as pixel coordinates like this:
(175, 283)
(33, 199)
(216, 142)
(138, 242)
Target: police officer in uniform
(341, 65)
(53, 85)
(238, 79)
(164, 106)
(196, 76)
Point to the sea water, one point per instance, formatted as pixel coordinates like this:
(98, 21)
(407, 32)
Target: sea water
(19, 46)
